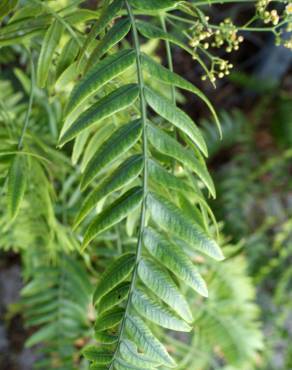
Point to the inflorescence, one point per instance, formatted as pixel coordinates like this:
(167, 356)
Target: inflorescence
(205, 36)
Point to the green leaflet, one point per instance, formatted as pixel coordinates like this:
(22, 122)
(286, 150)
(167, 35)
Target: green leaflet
(7, 6)
(173, 257)
(99, 356)
(192, 212)
(154, 4)
(141, 334)
(43, 334)
(94, 366)
(16, 23)
(66, 78)
(10, 31)
(47, 309)
(130, 354)
(123, 365)
(172, 219)
(114, 297)
(49, 45)
(67, 56)
(105, 107)
(17, 38)
(162, 177)
(25, 11)
(121, 177)
(79, 146)
(151, 32)
(171, 147)
(163, 74)
(41, 297)
(113, 214)
(156, 312)
(103, 337)
(176, 116)
(108, 13)
(117, 33)
(118, 144)
(96, 140)
(109, 319)
(16, 184)
(116, 273)
(160, 283)
(107, 69)
(81, 15)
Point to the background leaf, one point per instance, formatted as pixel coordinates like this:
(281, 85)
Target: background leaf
(17, 181)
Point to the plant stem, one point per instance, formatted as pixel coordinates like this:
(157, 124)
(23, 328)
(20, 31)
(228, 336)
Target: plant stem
(142, 223)
(31, 96)
(255, 29)
(144, 124)
(244, 28)
(169, 57)
(180, 19)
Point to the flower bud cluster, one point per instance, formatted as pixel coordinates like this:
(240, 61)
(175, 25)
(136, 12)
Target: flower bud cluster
(219, 69)
(288, 43)
(288, 14)
(200, 34)
(288, 9)
(225, 34)
(286, 18)
(268, 16)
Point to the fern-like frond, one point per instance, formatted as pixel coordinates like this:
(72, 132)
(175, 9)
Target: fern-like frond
(127, 156)
(229, 321)
(227, 328)
(234, 131)
(56, 302)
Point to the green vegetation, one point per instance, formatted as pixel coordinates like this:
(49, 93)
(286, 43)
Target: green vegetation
(107, 196)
